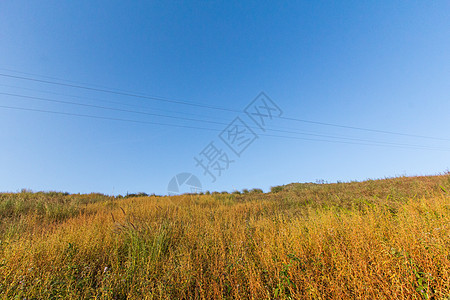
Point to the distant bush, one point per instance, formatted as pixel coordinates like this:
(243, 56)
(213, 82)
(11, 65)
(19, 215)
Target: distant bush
(154, 195)
(245, 191)
(136, 195)
(236, 193)
(257, 191)
(276, 189)
(54, 193)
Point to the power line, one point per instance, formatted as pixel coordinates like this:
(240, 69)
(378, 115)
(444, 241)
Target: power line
(197, 120)
(121, 93)
(104, 118)
(365, 129)
(163, 110)
(162, 99)
(99, 100)
(110, 108)
(395, 145)
(216, 130)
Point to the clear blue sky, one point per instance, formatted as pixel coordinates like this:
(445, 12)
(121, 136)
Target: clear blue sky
(382, 65)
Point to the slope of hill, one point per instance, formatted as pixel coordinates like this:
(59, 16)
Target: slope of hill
(377, 239)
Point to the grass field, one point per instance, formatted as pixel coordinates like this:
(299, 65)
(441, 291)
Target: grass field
(378, 239)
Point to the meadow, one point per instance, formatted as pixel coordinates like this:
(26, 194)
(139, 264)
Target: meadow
(377, 239)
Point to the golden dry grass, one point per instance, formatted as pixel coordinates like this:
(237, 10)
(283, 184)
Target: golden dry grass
(385, 239)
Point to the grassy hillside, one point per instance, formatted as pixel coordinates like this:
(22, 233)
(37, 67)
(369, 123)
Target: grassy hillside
(382, 239)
